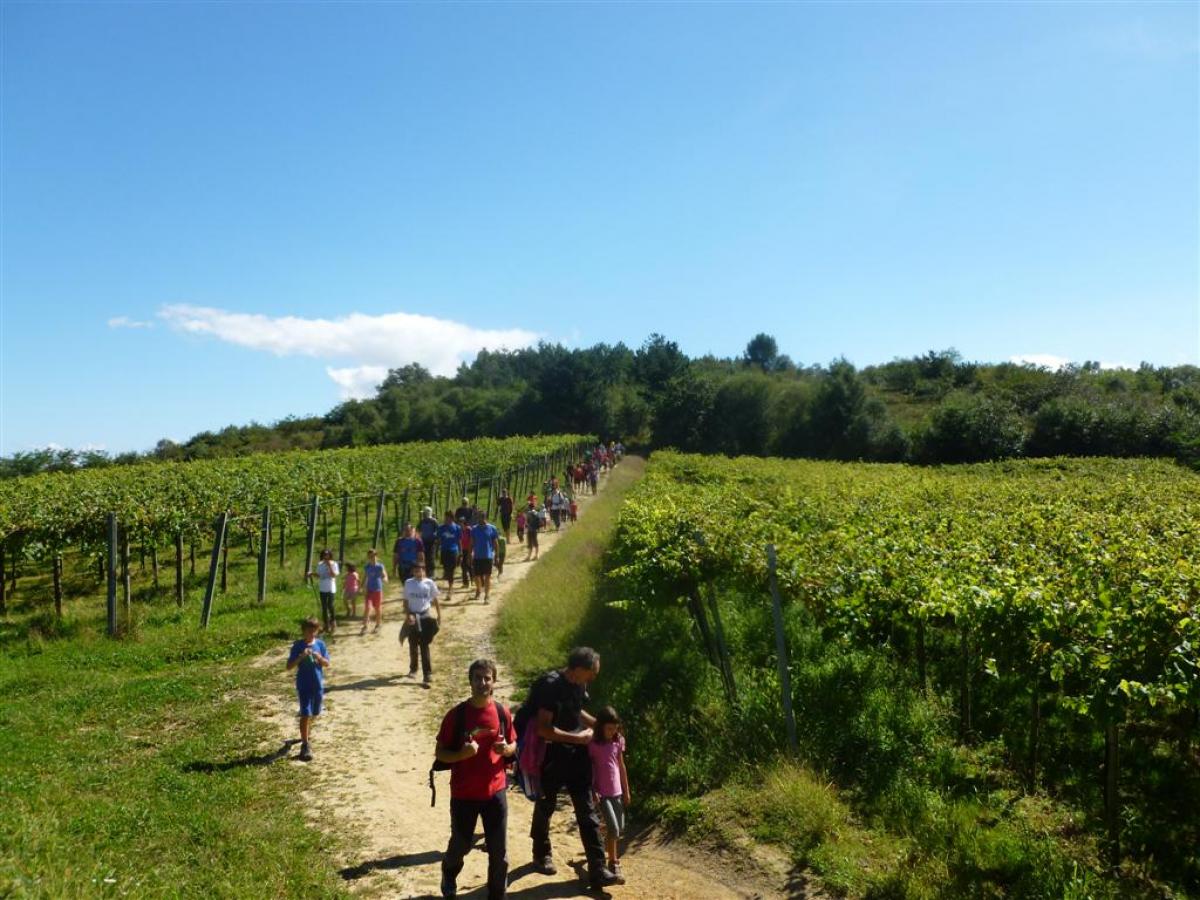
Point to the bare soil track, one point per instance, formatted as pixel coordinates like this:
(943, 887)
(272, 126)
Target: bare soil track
(374, 744)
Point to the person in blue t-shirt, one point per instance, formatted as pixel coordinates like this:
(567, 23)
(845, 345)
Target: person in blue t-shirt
(309, 657)
(407, 551)
(483, 551)
(449, 535)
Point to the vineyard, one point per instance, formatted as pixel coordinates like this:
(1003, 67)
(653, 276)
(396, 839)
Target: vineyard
(96, 519)
(1050, 608)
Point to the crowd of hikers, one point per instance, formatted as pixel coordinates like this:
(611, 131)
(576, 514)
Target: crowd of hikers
(551, 744)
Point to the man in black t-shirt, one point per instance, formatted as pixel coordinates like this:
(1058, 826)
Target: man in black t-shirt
(427, 528)
(566, 727)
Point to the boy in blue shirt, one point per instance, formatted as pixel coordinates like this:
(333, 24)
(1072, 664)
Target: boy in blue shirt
(483, 551)
(309, 657)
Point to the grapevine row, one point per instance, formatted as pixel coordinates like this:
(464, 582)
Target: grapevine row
(44, 514)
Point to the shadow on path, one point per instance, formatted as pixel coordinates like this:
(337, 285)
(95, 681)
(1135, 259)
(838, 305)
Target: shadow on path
(370, 684)
(260, 759)
(388, 863)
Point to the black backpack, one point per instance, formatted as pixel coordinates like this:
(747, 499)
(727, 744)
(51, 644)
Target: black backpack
(460, 729)
(527, 710)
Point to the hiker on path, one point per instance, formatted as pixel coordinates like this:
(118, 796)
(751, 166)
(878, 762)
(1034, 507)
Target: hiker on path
(483, 550)
(427, 530)
(350, 591)
(558, 699)
(558, 509)
(327, 573)
(406, 551)
(505, 507)
(501, 555)
(377, 576)
(464, 557)
(610, 781)
(309, 657)
(449, 536)
(533, 524)
(477, 739)
(422, 621)
(462, 515)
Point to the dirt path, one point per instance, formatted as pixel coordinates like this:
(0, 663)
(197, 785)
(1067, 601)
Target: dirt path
(374, 743)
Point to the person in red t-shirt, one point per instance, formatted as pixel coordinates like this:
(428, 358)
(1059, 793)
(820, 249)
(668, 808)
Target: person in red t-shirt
(477, 756)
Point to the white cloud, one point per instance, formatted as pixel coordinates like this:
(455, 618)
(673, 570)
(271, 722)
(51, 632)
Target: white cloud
(1042, 360)
(374, 343)
(358, 381)
(126, 322)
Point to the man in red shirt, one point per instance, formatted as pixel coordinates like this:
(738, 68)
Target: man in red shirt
(477, 739)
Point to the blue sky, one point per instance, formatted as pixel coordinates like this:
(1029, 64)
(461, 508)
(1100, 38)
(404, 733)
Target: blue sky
(214, 213)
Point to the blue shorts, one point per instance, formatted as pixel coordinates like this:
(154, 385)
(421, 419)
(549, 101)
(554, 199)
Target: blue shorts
(310, 702)
(613, 811)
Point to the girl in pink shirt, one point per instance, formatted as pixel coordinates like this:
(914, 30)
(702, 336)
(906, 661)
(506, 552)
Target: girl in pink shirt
(350, 591)
(609, 780)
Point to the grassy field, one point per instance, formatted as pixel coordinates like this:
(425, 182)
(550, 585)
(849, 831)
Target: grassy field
(138, 768)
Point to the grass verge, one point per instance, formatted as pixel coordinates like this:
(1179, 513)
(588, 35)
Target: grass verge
(139, 768)
(541, 618)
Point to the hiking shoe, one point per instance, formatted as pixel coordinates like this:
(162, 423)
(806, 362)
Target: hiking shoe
(449, 889)
(427, 682)
(603, 878)
(305, 752)
(616, 870)
(545, 866)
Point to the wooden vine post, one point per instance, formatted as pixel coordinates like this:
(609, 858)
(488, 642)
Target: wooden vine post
(964, 688)
(3, 592)
(214, 563)
(722, 647)
(1112, 801)
(378, 534)
(342, 530)
(922, 677)
(264, 540)
(311, 539)
(112, 574)
(58, 591)
(785, 677)
(225, 564)
(179, 569)
(1035, 723)
(126, 584)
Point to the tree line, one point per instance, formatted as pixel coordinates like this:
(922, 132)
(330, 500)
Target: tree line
(933, 408)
